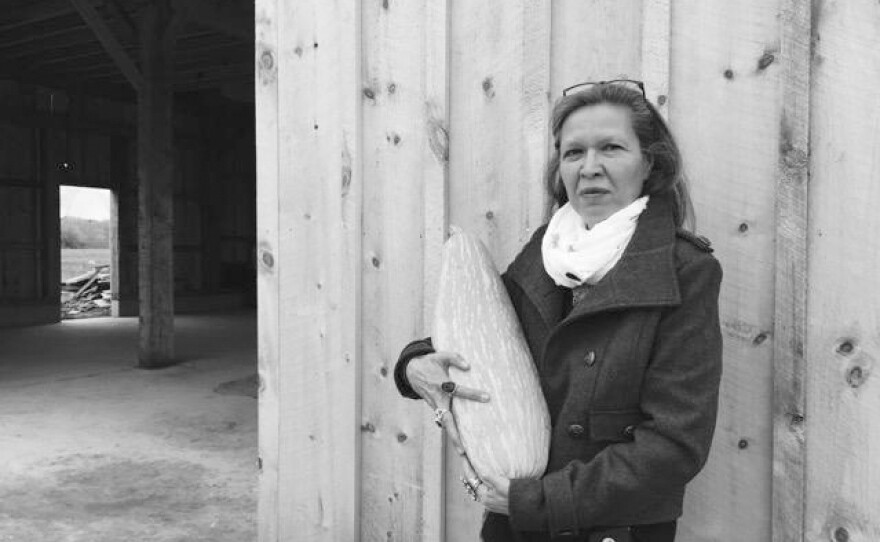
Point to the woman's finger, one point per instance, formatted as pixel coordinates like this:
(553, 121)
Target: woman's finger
(454, 360)
(452, 431)
(471, 394)
(468, 470)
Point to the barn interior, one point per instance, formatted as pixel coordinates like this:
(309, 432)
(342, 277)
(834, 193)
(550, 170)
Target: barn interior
(152, 100)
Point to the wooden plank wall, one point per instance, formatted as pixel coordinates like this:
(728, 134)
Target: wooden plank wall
(441, 118)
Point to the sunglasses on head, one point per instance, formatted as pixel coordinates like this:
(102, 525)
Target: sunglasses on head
(628, 83)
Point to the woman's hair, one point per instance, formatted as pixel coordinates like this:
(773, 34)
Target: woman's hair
(655, 139)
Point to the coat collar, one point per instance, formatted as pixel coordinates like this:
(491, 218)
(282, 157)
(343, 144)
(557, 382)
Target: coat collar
(644, 277)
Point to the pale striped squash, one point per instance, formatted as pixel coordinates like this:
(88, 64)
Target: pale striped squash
(509, 435)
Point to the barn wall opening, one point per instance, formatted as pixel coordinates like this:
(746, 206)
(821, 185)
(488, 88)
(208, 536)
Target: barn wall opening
(86, 254)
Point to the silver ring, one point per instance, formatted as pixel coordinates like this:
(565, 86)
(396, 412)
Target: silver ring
(472, 487)
(438, 416)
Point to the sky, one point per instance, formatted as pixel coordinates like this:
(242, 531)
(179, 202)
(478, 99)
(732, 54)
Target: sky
(93, 203)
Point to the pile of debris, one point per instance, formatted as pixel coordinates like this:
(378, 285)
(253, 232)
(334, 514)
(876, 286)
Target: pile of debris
(86, 295)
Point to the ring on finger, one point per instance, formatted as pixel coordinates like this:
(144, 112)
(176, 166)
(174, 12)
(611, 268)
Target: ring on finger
(449, 387)
(472, 486)
(438, 416)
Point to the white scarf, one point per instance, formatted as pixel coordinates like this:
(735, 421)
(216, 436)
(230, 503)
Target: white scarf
(574, 255)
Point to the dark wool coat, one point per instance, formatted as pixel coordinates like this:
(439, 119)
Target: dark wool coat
(631, 376)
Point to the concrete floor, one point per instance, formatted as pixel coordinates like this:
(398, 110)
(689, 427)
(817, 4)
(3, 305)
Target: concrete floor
(93, 449)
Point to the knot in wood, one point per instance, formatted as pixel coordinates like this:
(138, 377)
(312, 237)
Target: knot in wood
(795, 158)
(765, 61)
(489, 87)
(856, 376)
(438, 140)
(267, 61)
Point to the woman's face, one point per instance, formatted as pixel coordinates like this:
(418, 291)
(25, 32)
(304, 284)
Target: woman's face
(601, 161)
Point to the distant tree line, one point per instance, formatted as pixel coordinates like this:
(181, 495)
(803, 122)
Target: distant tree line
(84, 233)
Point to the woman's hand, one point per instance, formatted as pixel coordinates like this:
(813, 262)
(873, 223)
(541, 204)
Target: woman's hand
(492, 491)
(495, 495)
(426, 374)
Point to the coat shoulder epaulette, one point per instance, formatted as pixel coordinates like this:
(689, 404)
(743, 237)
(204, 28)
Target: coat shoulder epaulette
(698, 241)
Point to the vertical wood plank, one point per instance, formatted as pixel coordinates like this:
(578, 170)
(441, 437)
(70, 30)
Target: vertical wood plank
(435, 158)
(595, 40)
(266, 60)
(725, 111)
(790, 328)
(404, 124)
(499, 83)
(656, 20)
(309, 210)
(843, 389)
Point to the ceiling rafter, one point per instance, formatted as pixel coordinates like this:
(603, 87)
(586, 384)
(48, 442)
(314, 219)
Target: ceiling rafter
(113, 47)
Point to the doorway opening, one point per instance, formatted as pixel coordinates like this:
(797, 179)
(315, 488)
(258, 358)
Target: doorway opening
(85, 252)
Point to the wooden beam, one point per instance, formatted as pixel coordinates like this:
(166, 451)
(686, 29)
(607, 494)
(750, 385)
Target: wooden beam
(790, 328)
(227, 17)
(156, 188)
(110, 43)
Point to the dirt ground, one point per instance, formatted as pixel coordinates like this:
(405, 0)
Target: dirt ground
(96, 450)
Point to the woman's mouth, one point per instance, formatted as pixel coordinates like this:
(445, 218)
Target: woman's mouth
(593, 192)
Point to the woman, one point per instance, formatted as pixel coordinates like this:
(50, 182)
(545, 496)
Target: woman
(619, 305)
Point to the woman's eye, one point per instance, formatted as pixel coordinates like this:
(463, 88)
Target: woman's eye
(611, 147)
(571, 153)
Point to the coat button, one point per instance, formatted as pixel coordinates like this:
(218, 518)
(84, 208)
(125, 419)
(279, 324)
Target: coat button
(629, 431)
(590, 358)
(576, 430)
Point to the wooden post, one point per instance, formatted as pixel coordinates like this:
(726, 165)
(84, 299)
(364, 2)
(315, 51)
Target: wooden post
(156, 188)
(790, 328)
(309, 207)
(123, 229)
(50, 226)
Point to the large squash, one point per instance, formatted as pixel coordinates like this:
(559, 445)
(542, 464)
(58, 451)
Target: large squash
(509, 435)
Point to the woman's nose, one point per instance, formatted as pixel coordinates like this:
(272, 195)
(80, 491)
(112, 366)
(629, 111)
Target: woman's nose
(591, 166)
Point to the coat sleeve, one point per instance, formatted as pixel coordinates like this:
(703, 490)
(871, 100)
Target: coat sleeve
(624, 482)
(410, 352)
